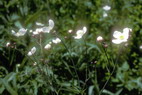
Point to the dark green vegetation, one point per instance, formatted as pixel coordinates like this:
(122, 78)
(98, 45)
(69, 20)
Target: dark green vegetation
(73, 67)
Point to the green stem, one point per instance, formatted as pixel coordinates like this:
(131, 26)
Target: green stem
(112, 71)
(69, 55)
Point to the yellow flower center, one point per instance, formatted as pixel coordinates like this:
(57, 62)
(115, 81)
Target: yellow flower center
(121, 37)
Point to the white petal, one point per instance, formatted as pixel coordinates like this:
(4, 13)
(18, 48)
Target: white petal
(116, 41)
(22, 32)
(46, 29)
(99, 38)
(7, 44)
(29, 54)
(141, 47)
(39, 24)
(84, 29)
(33, 50)
(117, 34)
(13, 32)
(80, 32)
(35, 33)
(106, 7)
(105, 14)
(48, 46)
(77, 37)
(51, 23)
(31, 31)
(69, 31)
(126, 32)
(56, 41)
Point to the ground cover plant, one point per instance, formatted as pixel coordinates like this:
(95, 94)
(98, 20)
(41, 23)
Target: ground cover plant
(70, 47)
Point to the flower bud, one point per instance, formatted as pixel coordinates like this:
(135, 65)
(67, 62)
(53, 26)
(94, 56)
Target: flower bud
(99, 39)
(7, 44)
(69, 31)
(18, 65)
(141, 47)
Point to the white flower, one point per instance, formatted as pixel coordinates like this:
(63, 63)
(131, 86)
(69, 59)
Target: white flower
(37, 31)
(80, 33)
(7, 44)
(106, 8)
(31, 31)
(49, 28)
(18, 65)
(46, 29)
(35, 63)
(56, 41)
(69, 31)
(99, 38)
(121, 37)
(48, 46)
(141, 47)
(21, 32)
(39, 24)
(105, 14)
(32, 51)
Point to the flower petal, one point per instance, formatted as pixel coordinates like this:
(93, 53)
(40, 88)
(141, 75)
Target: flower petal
(13, 32)
(117, 34)
(126, 32)
(48, 46)
(116, 41)
(51, 23)
(106, 7)
(29, 53)
(56, 41)
(77, 37)
(21, 32)
(84, 29)
(33, 50)
(39, 24)
(46, 29)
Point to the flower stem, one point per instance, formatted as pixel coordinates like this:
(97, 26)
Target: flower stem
(112, 71)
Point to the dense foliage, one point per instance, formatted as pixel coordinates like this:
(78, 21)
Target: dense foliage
(74, 66)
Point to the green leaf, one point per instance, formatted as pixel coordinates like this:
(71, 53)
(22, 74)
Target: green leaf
(10, 76)
(35, 87)
(8, 87)
(2, 88)
(83, 66)
(33, 17)
(125, 66)
(94, 46)
(91, 92)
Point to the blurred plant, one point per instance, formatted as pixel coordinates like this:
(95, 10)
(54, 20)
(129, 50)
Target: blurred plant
(70, 67)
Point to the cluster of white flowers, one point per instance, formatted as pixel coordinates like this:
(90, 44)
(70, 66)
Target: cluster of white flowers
(32, 51)
(121, 37)
(106, 8)
(44, 29)
(80, 33)
(21, 32)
